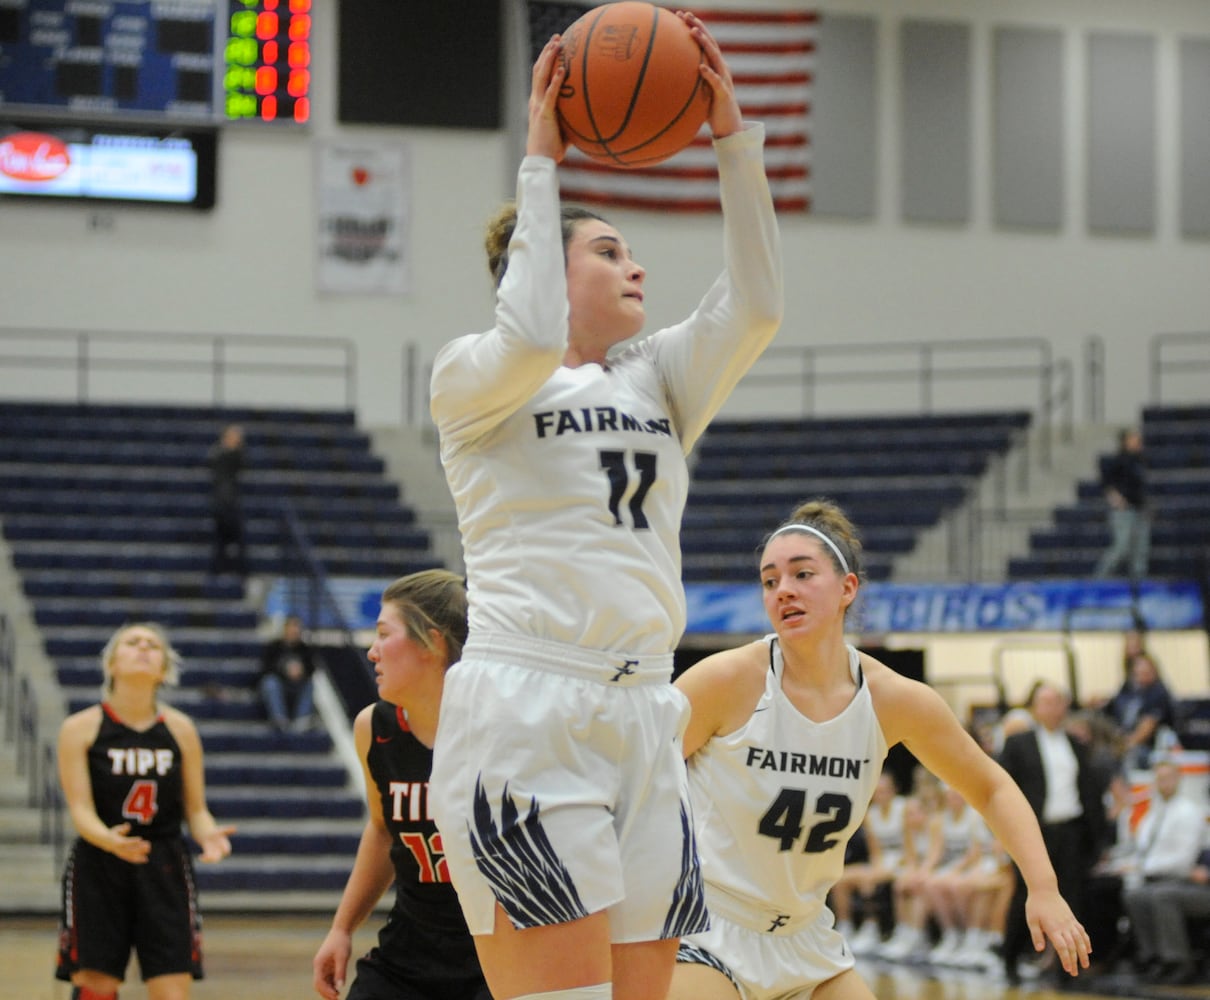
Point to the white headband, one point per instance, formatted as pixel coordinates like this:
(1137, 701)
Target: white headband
(807, 529)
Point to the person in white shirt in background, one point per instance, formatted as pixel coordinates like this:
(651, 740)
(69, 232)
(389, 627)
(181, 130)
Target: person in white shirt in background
(1167, 842)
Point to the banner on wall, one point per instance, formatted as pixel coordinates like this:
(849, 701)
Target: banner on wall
(363, 201)
(1027, 606)
(737, 609)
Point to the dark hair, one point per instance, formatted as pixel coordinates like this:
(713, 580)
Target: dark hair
(827, 517)
(500, 231)
(432, 598)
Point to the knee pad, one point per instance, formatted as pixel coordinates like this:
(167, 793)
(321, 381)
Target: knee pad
(84, 993)
(602, 991)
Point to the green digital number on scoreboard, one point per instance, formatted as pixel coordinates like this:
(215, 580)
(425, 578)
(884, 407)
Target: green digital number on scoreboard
(267, 61)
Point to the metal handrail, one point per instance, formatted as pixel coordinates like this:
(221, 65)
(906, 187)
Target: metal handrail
(297, 552)
(8, 675)
(27, 736)
(1168, 358)
(50, 807)
(216, 356)
(1064, 644)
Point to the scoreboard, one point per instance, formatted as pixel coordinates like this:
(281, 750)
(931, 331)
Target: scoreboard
(267, 61)
(180, 61)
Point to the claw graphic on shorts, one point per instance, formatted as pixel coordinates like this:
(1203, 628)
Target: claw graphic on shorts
(521, 865)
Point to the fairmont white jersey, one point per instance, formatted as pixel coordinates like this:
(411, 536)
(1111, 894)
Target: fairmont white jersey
(888, 826)
(958, 833)
(568, 480)
(776, 801)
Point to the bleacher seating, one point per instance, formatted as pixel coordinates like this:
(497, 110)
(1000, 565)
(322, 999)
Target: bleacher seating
(894, 476)
(106, 513)
(1177, 448)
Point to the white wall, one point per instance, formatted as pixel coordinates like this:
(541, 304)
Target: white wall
(249, 265)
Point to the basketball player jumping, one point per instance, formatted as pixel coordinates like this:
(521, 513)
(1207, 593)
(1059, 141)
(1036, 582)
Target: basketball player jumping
(558, 783)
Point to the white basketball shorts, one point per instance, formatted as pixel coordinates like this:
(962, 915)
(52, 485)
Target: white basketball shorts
(560, 790)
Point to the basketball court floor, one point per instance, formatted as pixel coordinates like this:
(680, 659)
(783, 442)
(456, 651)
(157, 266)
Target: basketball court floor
(268, 957)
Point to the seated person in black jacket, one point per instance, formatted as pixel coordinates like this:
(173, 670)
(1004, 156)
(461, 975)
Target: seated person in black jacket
(287, 667)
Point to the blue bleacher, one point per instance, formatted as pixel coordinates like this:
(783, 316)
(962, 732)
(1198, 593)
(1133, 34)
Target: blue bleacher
(894, 476)
(1177, 448)
(106, 511)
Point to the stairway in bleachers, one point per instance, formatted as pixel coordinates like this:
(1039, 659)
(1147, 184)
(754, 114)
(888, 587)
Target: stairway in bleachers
(1176, 444)
(894, 477)
(106, 512)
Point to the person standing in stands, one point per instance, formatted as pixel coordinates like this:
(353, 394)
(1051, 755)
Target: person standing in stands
(785, 745)
(558, 784)
(132, 772)
(225, 460)
(1053, 771)
(287, 671)
(1124, 482)
(424, 951)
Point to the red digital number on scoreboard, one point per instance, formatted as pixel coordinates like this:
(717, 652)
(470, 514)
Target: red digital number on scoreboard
(267, 75)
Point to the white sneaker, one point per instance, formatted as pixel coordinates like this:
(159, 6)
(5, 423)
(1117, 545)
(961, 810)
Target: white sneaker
(980, 959)
(903, 943)
(867, 940)
(947, 948)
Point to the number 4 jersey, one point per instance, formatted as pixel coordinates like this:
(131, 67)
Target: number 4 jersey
(136, 777)
(776, 801)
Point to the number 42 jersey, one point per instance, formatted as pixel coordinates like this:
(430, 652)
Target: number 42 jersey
(777, 800)
(136, 777)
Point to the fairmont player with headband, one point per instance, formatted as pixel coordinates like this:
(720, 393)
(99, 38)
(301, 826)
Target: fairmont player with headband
(132, 772)
(785, 745)
(424, 951)
(558, 783)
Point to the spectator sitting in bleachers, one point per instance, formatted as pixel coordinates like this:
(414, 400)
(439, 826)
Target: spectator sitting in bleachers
(883, 833)
(923, 845)
(1166, 849)
(946, 888)
(988, 890)
(286, 683)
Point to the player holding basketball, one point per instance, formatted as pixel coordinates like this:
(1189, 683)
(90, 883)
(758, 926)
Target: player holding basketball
(132, 771)
(785, 745)
(558, 783)
(424, 951)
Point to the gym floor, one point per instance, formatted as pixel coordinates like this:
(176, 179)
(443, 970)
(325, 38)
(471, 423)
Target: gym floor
(268, 957)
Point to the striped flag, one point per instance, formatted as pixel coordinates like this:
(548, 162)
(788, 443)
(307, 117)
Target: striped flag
(771, 54)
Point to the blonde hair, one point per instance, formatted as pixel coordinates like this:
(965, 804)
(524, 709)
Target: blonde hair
(172, 659)
(432, 599)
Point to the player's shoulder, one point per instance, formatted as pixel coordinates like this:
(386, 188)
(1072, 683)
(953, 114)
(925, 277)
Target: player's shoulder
(180, 725)
(733, 676)
(82, 724)
(748, 661)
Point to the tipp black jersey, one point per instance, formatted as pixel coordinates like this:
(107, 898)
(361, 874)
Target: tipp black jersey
(136, 777)
(400, 766)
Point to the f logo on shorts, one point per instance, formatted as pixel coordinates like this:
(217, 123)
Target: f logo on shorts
(779, 921)
(625, 670)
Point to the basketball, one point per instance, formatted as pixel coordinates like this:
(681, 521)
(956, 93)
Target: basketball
(632, 94)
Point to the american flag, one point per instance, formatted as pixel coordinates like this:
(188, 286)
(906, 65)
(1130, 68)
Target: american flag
(771, 54)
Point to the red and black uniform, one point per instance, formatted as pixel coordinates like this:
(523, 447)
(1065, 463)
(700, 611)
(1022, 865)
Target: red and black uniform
(111, 906)
(425, 951)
